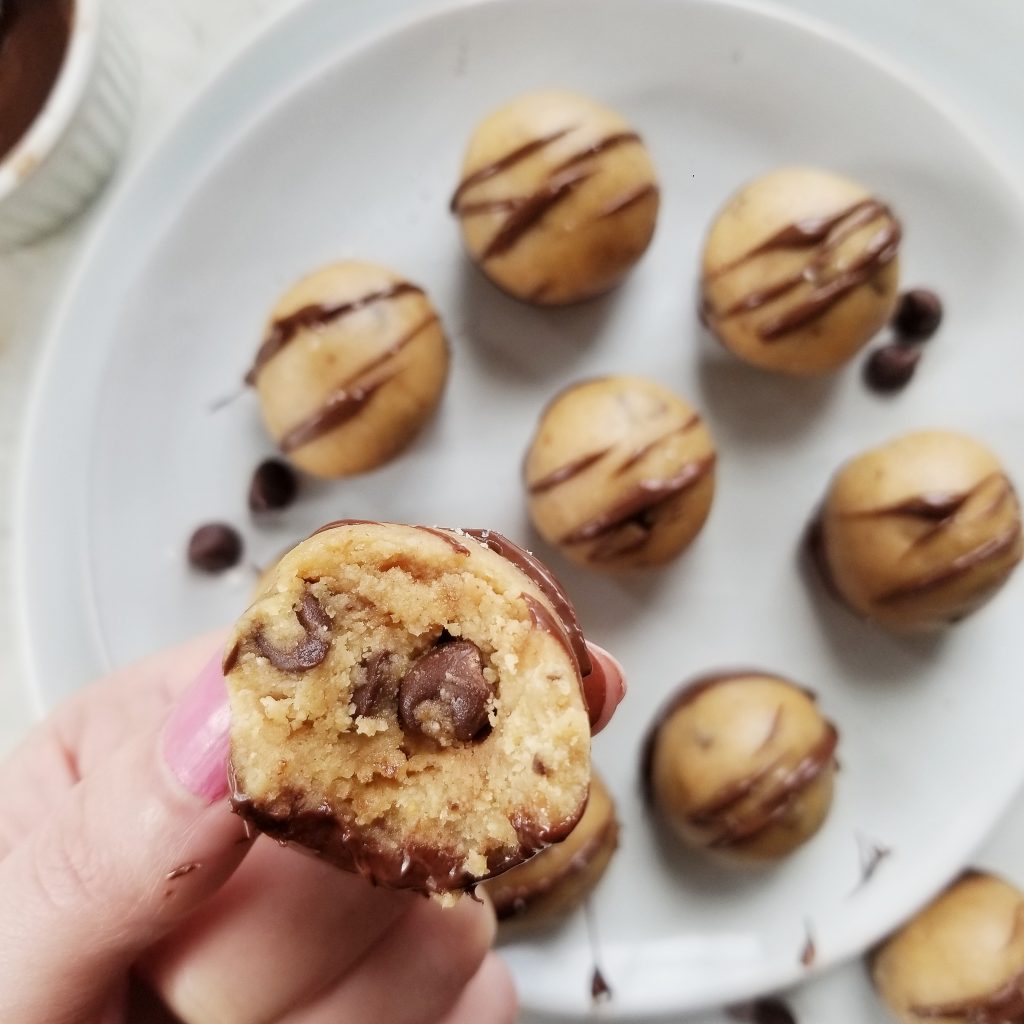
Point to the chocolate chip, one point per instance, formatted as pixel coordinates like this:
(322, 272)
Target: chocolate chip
(445, 695)
(890, 367)
(377, 689)
(214, 547)
(763, 1011)
(311, 649)
(274, 485)
(918, 314)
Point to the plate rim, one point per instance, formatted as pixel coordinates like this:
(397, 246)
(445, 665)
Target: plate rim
(379, 22)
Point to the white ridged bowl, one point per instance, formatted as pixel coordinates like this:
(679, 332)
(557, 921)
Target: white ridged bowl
(70, 149)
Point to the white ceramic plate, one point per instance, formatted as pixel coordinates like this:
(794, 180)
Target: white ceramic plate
(316, 146)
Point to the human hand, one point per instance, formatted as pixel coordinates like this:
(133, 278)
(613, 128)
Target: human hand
(118, 854)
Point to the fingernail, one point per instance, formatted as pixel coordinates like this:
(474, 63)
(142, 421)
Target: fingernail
(196, 735)
(606, 692)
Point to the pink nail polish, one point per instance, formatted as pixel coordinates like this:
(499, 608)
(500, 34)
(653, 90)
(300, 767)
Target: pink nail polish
(605, 688)
(195, 740)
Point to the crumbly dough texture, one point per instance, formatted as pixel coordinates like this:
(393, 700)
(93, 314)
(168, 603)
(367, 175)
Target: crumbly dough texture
(742, 765)
(353, 362)
(921, 531)
(620, 473)
(558, 197)
(959, 961)
(557, 880)
(800, 269)
(354, 748)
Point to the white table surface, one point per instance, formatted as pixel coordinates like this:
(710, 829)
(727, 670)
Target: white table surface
(967, 52)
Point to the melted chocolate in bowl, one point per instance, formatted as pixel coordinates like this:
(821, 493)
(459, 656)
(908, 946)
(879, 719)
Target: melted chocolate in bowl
(33, 41)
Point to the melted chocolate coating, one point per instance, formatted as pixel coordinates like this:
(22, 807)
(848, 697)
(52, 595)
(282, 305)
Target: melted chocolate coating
(513, 902)
(372, 855)
(527, 563)
(449, 682)
(284, 329)
(310, 650)
(543, 619)
(457, 546)
(33, 42)
(549, 587)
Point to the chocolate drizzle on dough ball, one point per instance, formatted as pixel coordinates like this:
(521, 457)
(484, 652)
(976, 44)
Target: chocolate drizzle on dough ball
(920, 532)
(800, 270)
(352, 363)
(620, 473)
(960, 960)
(722, 791)
(558, 198)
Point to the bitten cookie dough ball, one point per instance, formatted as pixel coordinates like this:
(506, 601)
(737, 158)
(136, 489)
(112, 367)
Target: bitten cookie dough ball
(558, 198)
(352, 364)
(961, 960)
(799, 270)
(920, 532)
(742, 764)
(559, 879)
(407, 702)
(620, 473)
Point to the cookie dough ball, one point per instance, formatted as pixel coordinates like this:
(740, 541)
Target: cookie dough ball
(919, 532)
(743, 765)
(352, 364)
(559, 879)
(407, 702)
(799, 270)
(620, 473)
(558, 198)
(961, 960)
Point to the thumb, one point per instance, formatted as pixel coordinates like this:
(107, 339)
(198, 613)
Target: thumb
(130, 851)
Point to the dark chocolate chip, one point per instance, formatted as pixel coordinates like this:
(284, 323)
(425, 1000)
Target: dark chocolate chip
(214, 547)
(445, 695)
(274, 485)
(890, 367)
(377, 689)
(600, 990)
(918, 314)
(311, 649)
(763, 1011)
